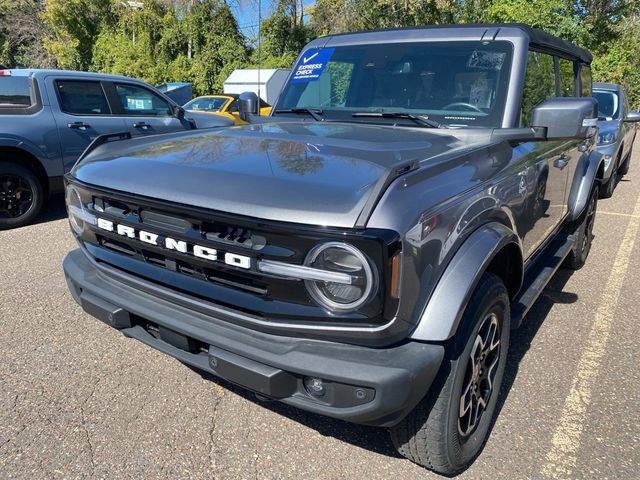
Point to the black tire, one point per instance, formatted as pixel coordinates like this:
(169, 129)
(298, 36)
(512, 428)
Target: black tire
(607, 188)
(584, 235)
(624, 168)
(21, 195)
(435, 435)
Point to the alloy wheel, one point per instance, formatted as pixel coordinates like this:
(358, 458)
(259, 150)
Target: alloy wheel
(479, 375)
(16, 196)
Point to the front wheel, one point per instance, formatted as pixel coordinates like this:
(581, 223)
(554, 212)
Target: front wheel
(584, 235)
(448, 428)
(21, 195)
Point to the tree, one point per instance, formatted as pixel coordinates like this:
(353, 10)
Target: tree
(73, 27)
(21, 30)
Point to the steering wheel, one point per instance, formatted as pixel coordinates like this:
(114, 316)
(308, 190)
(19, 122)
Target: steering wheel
(462, 104)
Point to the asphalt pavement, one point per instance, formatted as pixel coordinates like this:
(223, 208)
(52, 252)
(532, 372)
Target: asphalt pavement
(79, 400)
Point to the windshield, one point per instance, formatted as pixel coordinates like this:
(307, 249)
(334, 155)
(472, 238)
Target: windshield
(207, 104)
(453, 83)
(607, 104)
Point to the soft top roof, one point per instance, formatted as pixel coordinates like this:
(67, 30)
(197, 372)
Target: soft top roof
(538, 38)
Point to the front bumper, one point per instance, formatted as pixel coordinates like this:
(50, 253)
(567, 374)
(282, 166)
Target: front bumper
(372, 386)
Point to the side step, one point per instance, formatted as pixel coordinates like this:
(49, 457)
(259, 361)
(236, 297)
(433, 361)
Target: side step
(537, 277)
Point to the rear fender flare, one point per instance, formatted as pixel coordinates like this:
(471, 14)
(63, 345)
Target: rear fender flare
(441, 316)
(589, 170)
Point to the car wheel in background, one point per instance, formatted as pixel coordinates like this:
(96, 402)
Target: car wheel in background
(21, 195)
(448, 428)
(624, 168)
(584, 235)
(607, 188)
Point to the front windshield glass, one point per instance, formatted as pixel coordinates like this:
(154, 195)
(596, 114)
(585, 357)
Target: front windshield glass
(607, 104)
(454, 83)
(207, 104)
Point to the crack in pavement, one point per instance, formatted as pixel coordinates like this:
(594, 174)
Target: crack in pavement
(219, 397)
(83, 424)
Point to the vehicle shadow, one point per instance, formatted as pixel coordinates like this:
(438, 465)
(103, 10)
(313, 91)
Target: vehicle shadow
(53, 209)
(377, 440)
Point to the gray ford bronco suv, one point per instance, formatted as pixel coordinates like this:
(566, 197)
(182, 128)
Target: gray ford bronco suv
(364, 252)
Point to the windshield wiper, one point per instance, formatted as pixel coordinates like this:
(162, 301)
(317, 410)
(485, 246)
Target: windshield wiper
(419, 119)
(315, 113)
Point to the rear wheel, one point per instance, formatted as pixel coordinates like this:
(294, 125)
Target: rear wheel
(21, 195)
(448, 428)
(584, 235)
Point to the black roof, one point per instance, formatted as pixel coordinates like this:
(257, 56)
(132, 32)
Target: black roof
(543, 39)
(537, 37)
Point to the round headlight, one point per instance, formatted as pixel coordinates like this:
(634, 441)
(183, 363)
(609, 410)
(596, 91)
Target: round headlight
(606, 137)
(345, 259)
(78, 216)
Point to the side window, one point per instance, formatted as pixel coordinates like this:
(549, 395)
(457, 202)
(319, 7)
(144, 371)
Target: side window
(539, 83)
(79, 97)
(15, 92)
(585, 81)
(566, 73)
(137, 100)
(233, 106)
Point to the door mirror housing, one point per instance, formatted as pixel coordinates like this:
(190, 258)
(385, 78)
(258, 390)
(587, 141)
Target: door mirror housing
(178, 112)
(248, 105)
(632, 117)
(566, 117)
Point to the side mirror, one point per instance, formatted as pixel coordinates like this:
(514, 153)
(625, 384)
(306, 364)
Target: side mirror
(178, 112)
(632, 117)
(566, 117)
(247, 105)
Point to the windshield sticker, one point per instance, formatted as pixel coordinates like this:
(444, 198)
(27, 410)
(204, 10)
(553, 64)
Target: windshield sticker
(486, 60)
(311, 65)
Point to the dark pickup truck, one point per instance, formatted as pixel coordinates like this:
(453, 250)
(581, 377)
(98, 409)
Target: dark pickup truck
(364, 252)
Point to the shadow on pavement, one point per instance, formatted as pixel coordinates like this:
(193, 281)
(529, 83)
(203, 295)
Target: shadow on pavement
(53, 209)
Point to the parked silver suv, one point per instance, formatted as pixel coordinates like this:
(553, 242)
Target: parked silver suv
(616, 136)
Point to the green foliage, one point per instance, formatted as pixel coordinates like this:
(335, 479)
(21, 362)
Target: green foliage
(197, 42)
(74, 26)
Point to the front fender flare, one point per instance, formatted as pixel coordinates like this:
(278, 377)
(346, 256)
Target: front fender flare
(443, 311)
(584, 179)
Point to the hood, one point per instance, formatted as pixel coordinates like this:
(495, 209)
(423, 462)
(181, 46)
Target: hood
(309, 173)
(609, 125)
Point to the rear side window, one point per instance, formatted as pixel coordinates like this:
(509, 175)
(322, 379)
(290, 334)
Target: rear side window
(585, 81)
(137, 100)
(566, 73)
(15, 92)
(539, 83)
(82, 98)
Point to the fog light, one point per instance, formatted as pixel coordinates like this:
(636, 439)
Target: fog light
(314, 386)
(607, 161)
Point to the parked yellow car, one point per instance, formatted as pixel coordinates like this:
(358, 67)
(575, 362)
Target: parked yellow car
(225, 105)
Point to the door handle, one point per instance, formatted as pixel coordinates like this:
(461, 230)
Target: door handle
(561, 162)
(141, 125)
(79, 125)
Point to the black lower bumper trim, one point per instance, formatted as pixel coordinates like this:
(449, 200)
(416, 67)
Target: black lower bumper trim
(373, 386)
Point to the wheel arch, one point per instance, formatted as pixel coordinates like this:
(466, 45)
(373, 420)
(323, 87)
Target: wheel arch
(590, 170)
(27, 159)
(494, 248)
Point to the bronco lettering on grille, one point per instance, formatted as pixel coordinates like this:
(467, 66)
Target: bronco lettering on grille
(181, 246)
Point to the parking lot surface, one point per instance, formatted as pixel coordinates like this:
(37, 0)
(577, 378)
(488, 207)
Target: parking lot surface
(79, 400)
